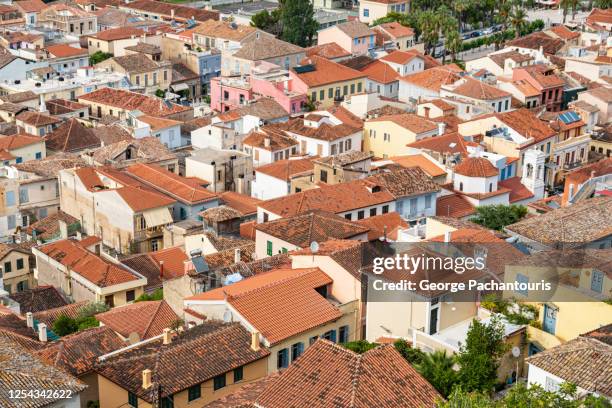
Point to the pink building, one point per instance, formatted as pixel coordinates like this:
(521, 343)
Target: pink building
(227, 93)
(266, 80)
(546, 81)
(354, 36)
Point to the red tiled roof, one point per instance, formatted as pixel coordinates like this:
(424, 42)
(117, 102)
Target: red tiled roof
(432, 78)
(419, 160)
(37, 118)
(447, 143)
(140, 199)
(527, 124)
(396, 29)
(18, 141)
(127, 100)
(173, 260)
(401, 57)
(279, 304)
(64, 50)
(330, 51)
(95, 269)
(410, 121)
(166, 9)
(30, 6)
(327, 72)
(118, 33)
(473, 88)
(185, 189)
(383, 225)
(286, 169)
(454, 205)
(147, 319)
(380, 72)
(518, 192)
(476, 167)
(564, 32)
(336, 198)
(244, 204)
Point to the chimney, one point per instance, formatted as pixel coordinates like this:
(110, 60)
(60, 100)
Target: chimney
(30, 319)
(63, 227)
(167, 337)
(441, 128)
(172, 14)
(447, 236)
(42, 332)
(255, 345)
(237, 255)
(146, 379)
(161, 269)
(267, 142)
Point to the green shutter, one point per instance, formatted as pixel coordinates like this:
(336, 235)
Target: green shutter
(269, 248)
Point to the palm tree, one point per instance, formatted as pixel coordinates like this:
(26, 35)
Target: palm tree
(453, 43)
(437, 368)
(518, 20)
(460, 6)
(566, 5)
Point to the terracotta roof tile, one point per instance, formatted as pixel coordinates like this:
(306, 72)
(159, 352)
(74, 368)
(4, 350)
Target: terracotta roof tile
(180, 12)
(173, 261)
(30, 6)
(185, 189)
(527, 124)
(141, 199)
(328, 374)
(127, 100)
(354, 29)
(287, 169)
(419, 160)
(454, 205)
(277, 140)
(536, 40)
(71, 136)
(330, 51)
(38, 299)
(193, 357)
(476, 167)
(18, 141)
(224, 30)
(337, 198)
(448, 143)
(120, 33)
(279, 304)
(95, 269)
(319, 226)
(401, 57)
(266, 47)
(396, 29)
(380, 72)
(383, 225)
(518, 192)
(473, 88)
(49, 316)
(564, 32)
(432, 78)
(147, 319)
(327, 72)
(410, 121)
(77, 353)
(37, 118)
(64, 50)
(244, 204)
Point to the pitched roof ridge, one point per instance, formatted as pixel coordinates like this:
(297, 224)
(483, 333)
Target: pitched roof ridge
(282, 280)
(153, 316)
(356, 375)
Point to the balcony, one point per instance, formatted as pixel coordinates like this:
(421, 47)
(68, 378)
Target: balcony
(571, 166)
(153, 232)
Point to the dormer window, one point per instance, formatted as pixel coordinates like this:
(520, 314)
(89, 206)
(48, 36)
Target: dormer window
(376, 189)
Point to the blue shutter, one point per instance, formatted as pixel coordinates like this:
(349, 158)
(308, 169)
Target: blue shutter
(333, 335)
(597, 281)
(300, 348)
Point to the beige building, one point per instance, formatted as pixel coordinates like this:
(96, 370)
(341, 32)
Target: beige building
(116, 40)
(387, 136)
(370, 10)
(83, 273)
(291, 309)
(69, 20)
(190, 368)
(16, 274)
(142, 71)
(112, 206)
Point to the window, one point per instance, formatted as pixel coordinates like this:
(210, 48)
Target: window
(109, 300)
(330, 335)
(218, 383)
(155, 78)
(551, 385)
(385, 209)
(312, 340)
(343, 334)
(597, 281)
(168, 402)
(330, 93)
(356, 41)
(372, 212)
(21, 286)
(269, 248)
(11, 222)
(360, 214)
(522, 279)
(9, 198)
(321, 94)
(348, 216)
(366, 12)
(506, 105)
(387, 137)
(23, 195)
(348, 144)
(461, 186)
(296, 350)
(282, 359)
(324, 176)
(428, 201)
(132, 399)
(20, 264)
(359, 87)
(238, 374)
(352, 89)
(130, 295)
(345, 89)
(313, 96)
(195, 392)
(8, 267)
(490, 187)
(38, 155)
(284, 250)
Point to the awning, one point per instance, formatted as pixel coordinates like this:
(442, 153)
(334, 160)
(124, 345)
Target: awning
(157, 216)
(179, 87)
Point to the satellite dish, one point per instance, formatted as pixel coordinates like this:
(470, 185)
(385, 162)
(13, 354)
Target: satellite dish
(227, 316)
(516, 352)
(314, 247)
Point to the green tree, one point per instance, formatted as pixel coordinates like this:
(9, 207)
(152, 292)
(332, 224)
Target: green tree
(298, 23)
(454, 43)
(496, 217)
(478, 358)
(437, 368)
(158, 294)
(518, 20)
(99, 56)
(411, 354)
(359, 346)
(64, 325)
(268, 22)
(461, 399)
(85, 323)
(92, 309)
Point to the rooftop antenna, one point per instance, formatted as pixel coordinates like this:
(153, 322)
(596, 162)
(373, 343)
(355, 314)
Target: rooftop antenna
(314, 248)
